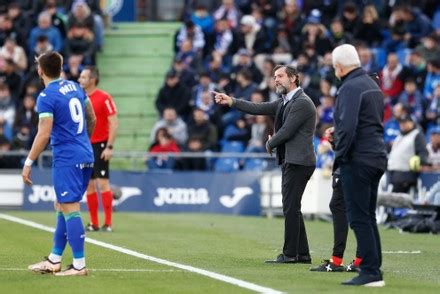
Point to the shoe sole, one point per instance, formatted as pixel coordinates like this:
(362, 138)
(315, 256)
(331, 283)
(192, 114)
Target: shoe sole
(86, 273)
(375, 284)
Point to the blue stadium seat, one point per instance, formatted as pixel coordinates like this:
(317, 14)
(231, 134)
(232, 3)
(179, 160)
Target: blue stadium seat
(255, 164)
(402, 55)
(232, 146)
(226, 165)
(380, 56)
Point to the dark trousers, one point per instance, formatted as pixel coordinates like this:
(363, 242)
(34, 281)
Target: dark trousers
(294, 181)
(360, 184)
(340, 222)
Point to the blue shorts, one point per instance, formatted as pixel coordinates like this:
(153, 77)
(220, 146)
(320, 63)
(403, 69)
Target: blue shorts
(70, 182)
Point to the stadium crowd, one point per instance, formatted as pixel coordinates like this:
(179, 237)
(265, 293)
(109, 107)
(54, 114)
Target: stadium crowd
(233, 46)
(28, 28)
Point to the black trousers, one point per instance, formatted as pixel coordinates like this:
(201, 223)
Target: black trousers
(294, 181)
(340, 222)
(360, 184)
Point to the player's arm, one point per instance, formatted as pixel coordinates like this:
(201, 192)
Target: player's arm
(90, 118)
(41, 139)
(113, 124)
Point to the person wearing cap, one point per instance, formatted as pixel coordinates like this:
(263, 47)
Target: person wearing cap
(245, 62)
(407, 155)
(361, 155)
(251, 36)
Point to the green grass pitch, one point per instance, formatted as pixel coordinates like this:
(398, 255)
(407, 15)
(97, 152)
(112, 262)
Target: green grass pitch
(232, 246)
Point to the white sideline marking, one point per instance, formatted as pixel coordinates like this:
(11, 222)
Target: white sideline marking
(136, 270)
(402, 252)
(212, 275)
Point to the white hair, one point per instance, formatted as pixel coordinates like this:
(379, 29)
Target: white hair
(346, 56)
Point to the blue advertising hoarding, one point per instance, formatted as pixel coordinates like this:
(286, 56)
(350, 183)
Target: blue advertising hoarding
(121, 10)
(231, 193)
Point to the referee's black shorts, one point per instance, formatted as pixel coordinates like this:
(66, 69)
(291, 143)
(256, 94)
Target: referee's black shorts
(101, 167)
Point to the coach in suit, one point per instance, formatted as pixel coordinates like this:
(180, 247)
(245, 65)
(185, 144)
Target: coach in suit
(360, 152)
(295, 119)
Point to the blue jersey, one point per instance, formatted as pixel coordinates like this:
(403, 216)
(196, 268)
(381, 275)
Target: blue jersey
(65, 101)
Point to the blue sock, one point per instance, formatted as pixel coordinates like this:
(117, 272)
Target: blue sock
(75, 234)
(60, 235)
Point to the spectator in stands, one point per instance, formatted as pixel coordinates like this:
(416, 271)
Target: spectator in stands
(337, 34)
(80, 41)
(367, 61)
(205, 84)
(433, 148)
(174, 125)
(186, 74)
(174, 94)
(414, 99)
(268, 66)
(350, 17)
(7, 161)
(193, 33)
(163, 142)
(12, 51)
(203, 19)
(201, 128)
(81, 15)
(432, 78)
(21, 22)
(283, 43)
(72, 69)
(261, 128)
(45, 28)
(251, 36)
(214, 67)
(7, 109)
(26, 118)
(229, 11)
(391, 77)
(220, 39)
(206, 103)
(7, 30)
(391, 127)
(245, 85)
(433, 111)
(407, 154)
(397, 41)
(417, 68)
(10, 77)
(429, 48)
(325, 111)
(189, 56)
(292, 19)
(58, 19)
(369, 29)
(42, 46)
(94, 5)
(239, 131)
(314, 36)
(417, 25)
(192, 163)
(245, 62)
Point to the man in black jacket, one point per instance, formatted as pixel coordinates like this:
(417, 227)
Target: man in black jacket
(295, 120)
(360, 152)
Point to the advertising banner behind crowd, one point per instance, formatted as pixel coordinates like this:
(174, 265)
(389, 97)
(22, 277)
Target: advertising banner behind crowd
(231, 193)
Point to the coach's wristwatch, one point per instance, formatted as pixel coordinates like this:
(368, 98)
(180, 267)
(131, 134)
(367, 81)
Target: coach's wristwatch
(109, 147)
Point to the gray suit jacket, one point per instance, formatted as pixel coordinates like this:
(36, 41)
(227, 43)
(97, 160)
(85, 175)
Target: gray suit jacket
(298, 127)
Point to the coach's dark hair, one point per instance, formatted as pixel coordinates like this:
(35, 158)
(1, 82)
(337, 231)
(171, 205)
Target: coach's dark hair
(290, 71)
(51, 64)
(94, 73)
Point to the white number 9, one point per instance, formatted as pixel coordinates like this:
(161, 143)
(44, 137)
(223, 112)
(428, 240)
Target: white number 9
(76, 113)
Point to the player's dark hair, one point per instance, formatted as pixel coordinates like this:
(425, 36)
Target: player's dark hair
(290, 71)
(51, 64)
(94, 73)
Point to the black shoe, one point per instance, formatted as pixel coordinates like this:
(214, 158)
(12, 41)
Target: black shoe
(91, 228)
(106, 228)
(351, 267)
(328, 266)
(366, 280)
(305, 259)
(283, 259)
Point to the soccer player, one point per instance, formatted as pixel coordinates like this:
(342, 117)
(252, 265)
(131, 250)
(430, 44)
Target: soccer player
(102, 142)
(66, 117)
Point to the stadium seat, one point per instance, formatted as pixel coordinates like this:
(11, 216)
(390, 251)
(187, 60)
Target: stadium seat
(380, 56)
(255, 164)
(232, 146)
(402, 54)
(226, 165)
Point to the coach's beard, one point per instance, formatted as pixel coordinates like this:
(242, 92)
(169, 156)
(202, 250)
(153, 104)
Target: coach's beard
(281, 90)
